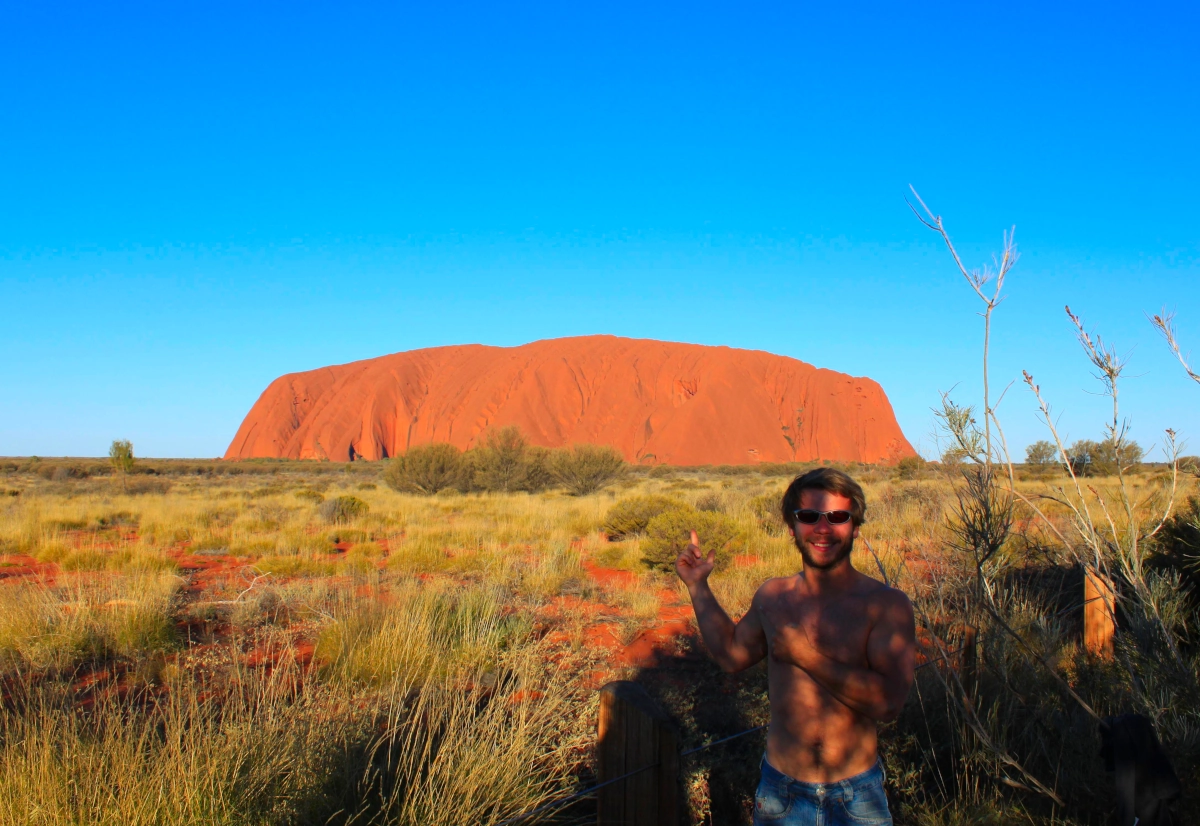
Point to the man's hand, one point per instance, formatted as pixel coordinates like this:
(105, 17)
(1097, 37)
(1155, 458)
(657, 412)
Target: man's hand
(693, 566)
(733, 645)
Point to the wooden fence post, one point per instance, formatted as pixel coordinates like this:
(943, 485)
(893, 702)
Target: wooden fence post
(1099, 625)
(635, 733)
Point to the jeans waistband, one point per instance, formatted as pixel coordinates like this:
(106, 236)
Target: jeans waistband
(871, 776)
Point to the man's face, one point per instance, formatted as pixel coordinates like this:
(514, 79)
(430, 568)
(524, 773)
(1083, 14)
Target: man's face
(824, 546)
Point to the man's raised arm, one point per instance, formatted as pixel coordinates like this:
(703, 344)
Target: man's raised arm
(734, 647)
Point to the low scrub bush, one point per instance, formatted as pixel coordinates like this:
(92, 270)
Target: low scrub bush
(767, 512)
(342, 509)
(910, 467)
(148, 486)
(501, 462)
(668, 534)
(263, 492)
(585, 469)
(427, 469)
(629, 517)
(309, 495)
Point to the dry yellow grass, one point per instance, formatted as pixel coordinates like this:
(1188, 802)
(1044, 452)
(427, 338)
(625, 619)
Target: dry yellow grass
(432, 696)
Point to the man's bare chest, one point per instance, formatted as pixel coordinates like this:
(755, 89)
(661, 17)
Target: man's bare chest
(838, 628)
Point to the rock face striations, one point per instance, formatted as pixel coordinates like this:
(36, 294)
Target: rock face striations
(655, 401)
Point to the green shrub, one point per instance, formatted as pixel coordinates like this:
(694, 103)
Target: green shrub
(909, 467)
(499, 463)
(342, 509)
(1041, 454)
(1187, 464)
(1089, 458)
(631, 516)
(668, 534)
(426, 469)
(310, 496)
(585, 469)
(767, 511)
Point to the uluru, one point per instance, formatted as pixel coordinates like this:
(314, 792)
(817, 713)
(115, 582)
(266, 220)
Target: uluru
(657, 402)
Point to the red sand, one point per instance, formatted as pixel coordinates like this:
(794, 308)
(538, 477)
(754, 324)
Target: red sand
(655, 401)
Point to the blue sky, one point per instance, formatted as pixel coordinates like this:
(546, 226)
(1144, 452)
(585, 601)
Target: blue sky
(195, 199)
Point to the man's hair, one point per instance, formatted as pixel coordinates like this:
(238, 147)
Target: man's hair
(829, 480)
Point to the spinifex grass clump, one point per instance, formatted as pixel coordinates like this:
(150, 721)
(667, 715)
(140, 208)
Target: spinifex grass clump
(264, 754)
(76, 621)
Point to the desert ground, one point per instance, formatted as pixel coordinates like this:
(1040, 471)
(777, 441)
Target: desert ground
(270, 642)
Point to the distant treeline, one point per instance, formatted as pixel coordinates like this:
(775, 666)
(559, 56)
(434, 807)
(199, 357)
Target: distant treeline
(505, 461)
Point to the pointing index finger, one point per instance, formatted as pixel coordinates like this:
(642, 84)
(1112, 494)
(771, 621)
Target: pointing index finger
(695, 539)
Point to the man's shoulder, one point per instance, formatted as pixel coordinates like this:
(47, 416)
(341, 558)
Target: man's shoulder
(881, 594)
(775, 587)
(888, 602)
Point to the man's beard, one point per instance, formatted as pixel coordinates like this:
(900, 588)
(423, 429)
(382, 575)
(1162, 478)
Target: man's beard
(843, 554)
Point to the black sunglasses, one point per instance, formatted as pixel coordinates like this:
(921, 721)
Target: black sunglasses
(810, 517)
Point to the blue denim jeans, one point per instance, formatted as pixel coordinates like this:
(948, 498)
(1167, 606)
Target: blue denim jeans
(855, 801)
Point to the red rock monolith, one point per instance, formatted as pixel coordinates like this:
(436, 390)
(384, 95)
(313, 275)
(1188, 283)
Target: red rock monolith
(655, 401)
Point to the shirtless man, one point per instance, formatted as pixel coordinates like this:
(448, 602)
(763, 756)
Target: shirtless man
(839, 648)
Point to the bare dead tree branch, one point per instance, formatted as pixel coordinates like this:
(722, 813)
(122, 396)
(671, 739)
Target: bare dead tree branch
(1164, 322)
(977, 279)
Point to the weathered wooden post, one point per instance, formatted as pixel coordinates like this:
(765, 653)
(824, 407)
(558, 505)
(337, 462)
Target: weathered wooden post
(1099, 619)
(634, 733)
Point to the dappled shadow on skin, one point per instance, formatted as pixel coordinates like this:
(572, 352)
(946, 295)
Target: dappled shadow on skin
(707, 705)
